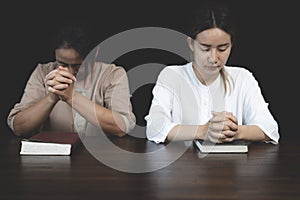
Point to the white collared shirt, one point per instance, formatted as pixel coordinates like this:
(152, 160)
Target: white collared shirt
(179, 98)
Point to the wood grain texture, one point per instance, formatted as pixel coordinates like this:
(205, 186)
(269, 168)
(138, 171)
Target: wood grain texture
(266, 172)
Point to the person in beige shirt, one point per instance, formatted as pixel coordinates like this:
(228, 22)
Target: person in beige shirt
(72, 92)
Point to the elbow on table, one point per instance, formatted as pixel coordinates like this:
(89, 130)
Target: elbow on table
(120, 134)
(22, 134)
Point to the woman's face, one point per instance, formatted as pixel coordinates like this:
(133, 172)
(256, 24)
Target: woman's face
(211, 50)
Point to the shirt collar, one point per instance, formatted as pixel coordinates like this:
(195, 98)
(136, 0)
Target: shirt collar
(194, 78)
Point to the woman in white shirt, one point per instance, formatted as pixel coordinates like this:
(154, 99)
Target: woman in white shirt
(206, 99)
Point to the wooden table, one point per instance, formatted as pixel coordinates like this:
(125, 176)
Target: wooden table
(266, 172)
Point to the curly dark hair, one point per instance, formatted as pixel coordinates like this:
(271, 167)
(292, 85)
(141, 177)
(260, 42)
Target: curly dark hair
(75, 37)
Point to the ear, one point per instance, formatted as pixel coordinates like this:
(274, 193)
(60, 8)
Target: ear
(190, 43)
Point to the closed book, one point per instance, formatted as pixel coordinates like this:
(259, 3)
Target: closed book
(237, 146)
(50, 143)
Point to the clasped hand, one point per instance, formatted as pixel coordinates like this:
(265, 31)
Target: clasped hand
(222, 127)
(60, 82)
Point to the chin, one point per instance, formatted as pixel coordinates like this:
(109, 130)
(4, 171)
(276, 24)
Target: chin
(213, 69)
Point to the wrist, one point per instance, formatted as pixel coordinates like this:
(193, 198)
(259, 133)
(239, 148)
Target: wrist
(239, 133)
(202, 131)
(52, 98)
(70, 100)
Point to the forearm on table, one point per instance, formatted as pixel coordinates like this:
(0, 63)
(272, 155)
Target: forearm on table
(108, 120)
(188, 132)
(251, 133)
(31, 118)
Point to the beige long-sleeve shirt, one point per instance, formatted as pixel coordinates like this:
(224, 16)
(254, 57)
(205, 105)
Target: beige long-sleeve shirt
(104, 84)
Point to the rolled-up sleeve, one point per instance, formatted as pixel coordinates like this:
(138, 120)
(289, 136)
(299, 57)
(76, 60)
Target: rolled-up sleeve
(117, 96)
(257, 110)
(159, 120)
(33, 91)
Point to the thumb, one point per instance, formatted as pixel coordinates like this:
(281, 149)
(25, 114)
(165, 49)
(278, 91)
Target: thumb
(214, 113)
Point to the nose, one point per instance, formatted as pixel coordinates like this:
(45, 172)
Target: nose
(213, 57)
(71, 69)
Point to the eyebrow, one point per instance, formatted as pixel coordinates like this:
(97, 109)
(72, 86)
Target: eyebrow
(220, 45)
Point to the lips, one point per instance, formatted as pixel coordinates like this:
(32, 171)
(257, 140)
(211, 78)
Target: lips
(213, 67)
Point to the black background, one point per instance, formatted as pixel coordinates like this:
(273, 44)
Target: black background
(267, 44)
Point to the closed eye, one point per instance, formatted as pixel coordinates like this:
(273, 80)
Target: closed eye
(223, 47)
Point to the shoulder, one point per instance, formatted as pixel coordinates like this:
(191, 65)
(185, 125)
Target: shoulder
(239, 73)
(111, 68)
(237, 70)
(47, 65)
(243, 78)
(42, 69)
(177, 68)
(175, 71)
(111, 72)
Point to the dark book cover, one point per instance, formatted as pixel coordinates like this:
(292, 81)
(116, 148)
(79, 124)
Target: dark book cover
(56, 137)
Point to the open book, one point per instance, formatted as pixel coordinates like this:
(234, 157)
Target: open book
(236, 146)
(50, 143)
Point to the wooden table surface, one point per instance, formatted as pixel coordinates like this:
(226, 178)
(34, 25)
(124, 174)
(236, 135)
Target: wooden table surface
(266, 172)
